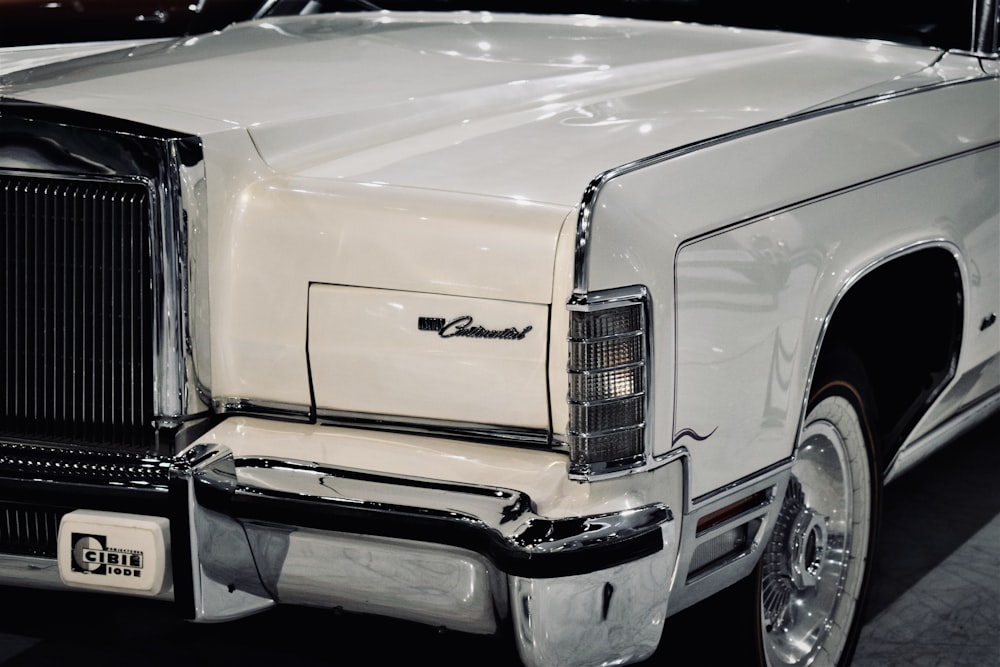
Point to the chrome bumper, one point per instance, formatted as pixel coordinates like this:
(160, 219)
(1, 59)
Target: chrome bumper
(248, 533)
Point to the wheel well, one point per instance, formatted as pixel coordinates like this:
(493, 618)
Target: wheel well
(904, 322)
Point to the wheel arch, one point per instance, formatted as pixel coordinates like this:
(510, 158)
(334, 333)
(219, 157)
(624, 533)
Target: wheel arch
(903, 316)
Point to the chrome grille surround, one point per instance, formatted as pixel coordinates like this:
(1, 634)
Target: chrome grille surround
(93, 283)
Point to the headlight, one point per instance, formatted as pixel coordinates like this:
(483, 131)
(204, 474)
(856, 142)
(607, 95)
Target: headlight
(607, 382)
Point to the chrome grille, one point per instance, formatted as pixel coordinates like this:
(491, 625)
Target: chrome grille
(76, 297)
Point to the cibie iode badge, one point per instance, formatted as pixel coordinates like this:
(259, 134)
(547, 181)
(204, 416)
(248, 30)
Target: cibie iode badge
(114, 552)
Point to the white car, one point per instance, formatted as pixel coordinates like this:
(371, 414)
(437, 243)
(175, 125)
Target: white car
(488, 320)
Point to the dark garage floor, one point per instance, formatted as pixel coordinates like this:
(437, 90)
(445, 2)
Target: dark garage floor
(935, 600)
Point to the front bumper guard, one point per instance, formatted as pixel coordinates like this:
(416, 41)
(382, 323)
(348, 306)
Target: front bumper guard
(248, 533)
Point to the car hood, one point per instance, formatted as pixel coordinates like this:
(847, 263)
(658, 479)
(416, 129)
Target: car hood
(26, 57)
(503, 105)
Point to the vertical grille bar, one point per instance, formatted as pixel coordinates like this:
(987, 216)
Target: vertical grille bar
(76, 295)
(28, 531)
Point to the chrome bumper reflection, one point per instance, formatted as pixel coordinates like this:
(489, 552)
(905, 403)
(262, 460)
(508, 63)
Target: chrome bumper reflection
(430, 551)
(496, 523)
(249, 533)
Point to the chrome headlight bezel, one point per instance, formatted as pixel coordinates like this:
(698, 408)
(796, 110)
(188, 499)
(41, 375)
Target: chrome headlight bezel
(608, 382)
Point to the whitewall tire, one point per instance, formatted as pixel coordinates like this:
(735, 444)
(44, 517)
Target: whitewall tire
(812, 576)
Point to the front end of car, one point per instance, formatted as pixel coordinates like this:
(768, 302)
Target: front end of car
(209, 403)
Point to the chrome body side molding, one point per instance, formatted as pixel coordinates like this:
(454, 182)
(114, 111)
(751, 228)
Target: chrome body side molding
(487, 433)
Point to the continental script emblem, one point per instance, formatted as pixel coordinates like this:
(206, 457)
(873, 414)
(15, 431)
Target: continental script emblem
(464, 327)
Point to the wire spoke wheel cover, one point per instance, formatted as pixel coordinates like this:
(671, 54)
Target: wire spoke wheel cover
(813, 569)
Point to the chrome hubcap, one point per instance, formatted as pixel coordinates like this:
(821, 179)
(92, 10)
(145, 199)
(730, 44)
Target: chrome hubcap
(805, 565)
(807, 547)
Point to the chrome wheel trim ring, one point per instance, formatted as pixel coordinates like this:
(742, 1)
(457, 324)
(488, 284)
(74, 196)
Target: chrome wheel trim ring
(824, 543)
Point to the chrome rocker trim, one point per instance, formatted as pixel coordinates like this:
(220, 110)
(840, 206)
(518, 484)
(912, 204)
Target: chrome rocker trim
(921, 448)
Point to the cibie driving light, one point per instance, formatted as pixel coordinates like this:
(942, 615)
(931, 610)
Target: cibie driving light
(608, 378)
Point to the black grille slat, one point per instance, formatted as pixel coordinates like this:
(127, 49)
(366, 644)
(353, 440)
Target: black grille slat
(76, 295)
(29, 531)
